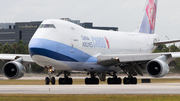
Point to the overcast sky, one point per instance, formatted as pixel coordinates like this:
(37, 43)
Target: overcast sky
(124, 14)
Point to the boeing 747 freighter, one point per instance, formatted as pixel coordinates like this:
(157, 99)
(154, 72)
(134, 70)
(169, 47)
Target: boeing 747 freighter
(62, 45)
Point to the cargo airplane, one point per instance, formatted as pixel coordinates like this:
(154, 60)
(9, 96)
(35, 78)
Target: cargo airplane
(62, 45)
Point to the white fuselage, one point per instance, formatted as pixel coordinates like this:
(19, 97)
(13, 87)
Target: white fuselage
(72, 47)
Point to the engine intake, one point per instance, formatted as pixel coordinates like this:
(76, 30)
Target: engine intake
(13, 70)
(157, 67)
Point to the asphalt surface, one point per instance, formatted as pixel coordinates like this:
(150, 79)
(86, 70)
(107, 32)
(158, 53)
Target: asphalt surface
(153, 88)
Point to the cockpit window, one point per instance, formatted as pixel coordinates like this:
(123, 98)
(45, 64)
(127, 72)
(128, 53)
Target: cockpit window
(47, 26)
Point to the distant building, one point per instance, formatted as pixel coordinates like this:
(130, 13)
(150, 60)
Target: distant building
(13, 32)
(89, 25)
(7, 25)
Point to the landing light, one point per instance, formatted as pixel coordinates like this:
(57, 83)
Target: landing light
(117, 58)
(50, 70)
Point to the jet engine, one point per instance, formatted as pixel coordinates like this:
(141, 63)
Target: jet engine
(157, 67)
(14, 69)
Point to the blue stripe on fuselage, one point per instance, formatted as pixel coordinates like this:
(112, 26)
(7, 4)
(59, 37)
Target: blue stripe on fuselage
(57, 51)
(50, 54)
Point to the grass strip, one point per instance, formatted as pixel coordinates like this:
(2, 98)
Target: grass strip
(77, 81)
(70, 97)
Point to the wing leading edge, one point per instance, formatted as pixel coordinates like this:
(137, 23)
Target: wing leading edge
(114, 59)
(25, 57)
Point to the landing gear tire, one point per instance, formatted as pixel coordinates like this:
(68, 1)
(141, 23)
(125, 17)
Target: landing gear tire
(97, 81)
(114, 81)
(47, 80)
(118, 81)
(67, 81)
(110, 81)
(130, 80)
(126, 81)
(53, 80)
(61, 81)
(134, 80)
(91, 81)
(86, 81)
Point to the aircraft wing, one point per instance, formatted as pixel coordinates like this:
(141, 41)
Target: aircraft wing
(114, 59)
(8, 57)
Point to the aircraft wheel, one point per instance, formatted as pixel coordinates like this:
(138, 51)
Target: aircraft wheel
(93, 80)
(86, 81)
(118, 80)
(126, 81)
(97, 81)
(53, 80)
(110, 81)
(69, 81)
(114, 81)
(61, 81)
(134, 80)
(47, 80)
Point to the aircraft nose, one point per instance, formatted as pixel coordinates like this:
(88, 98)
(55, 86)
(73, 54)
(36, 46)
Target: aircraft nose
(35, 47)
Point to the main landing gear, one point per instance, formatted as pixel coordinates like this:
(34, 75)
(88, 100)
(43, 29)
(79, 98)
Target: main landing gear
(127, 80)
(93, 80)
(62, 81)
(114, 80)
(66, 80)
(130, 79)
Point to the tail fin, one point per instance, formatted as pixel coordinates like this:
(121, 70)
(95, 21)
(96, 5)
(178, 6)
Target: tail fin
(147, 25)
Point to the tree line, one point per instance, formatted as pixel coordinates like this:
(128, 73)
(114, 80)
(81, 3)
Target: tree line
(18, 48)
(15, 48)
(170, 48)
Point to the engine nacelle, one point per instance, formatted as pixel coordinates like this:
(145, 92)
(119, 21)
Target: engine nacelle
(13, 70)
(157, 67)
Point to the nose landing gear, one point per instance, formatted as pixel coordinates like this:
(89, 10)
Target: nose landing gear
(62, 81)
(50, 78)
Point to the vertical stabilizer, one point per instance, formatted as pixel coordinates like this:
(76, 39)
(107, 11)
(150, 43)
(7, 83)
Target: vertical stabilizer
(147, 24)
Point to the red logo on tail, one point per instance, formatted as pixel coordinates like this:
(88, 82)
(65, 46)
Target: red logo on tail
(151, 13)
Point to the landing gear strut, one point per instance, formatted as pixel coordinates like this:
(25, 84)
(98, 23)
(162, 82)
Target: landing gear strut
(92, 80)
(114, 80)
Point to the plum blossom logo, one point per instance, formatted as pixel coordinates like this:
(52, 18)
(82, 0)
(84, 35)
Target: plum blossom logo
(151, 13)
(107, 42)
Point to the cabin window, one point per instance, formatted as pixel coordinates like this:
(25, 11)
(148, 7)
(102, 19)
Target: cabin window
(47, 26)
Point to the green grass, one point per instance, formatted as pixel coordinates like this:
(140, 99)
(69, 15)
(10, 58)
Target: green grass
(75, 81)
(69, 97)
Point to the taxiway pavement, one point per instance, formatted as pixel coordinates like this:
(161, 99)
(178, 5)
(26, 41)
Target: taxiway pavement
(152, 88)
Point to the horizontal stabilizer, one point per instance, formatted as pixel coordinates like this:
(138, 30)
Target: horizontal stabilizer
(166, 42)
